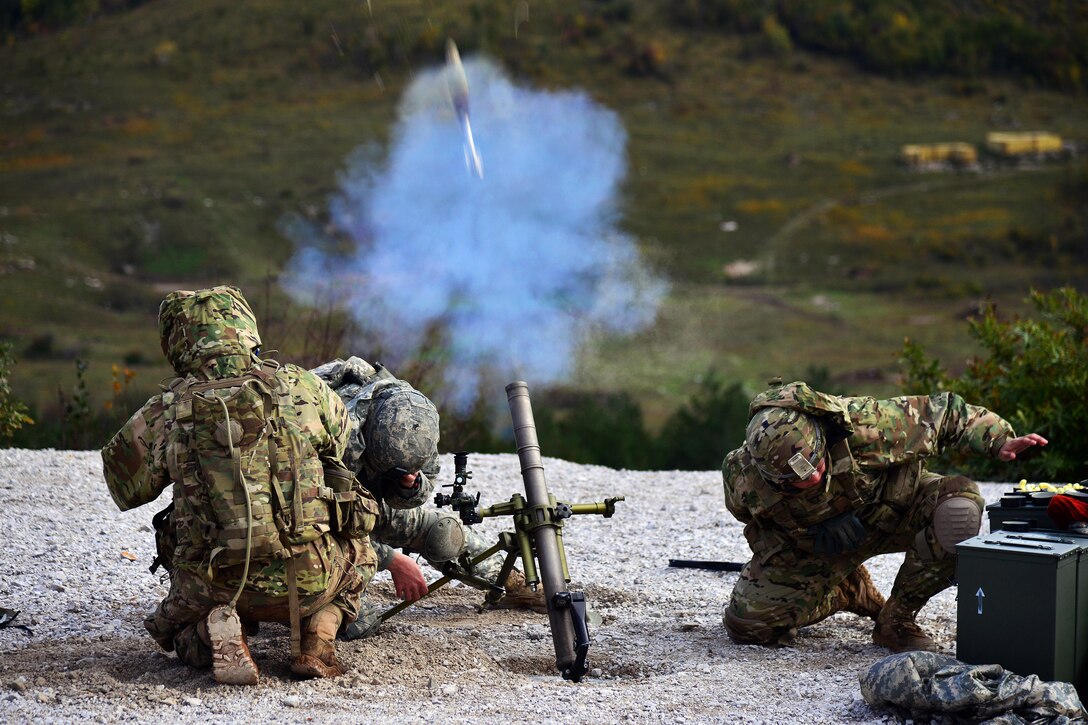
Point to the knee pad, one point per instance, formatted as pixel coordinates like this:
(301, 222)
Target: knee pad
(445, 540)
(958, 514)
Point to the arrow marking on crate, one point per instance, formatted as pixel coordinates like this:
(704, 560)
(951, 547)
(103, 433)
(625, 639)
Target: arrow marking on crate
(981, 595)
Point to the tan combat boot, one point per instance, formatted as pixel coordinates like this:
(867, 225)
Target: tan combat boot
(859, 595)
(232, 664)
(896, 629)
(318, 658)
(519, 596)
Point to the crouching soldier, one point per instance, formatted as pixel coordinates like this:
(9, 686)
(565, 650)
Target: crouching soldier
(393, 449)
(266, 523)
(823, 483)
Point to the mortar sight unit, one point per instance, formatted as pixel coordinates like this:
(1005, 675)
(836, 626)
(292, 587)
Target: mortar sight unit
(463, 503)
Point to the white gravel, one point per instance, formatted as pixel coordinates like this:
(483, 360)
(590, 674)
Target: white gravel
(660, 655)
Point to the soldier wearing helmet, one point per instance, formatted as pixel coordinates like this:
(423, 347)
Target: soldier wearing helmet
(823, 483)
(393, 449)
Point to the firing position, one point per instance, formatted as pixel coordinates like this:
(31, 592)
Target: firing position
(823, 483)
(265, 524)
(393, 449)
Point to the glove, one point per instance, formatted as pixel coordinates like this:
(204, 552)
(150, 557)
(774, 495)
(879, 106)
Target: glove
(844, 532)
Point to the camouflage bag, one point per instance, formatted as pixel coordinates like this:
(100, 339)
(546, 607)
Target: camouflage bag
(255, 482)
(354, 511)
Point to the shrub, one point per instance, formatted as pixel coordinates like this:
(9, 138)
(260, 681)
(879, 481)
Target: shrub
(1034, 372)
(608, 431)
(776, 39)
(13, 413)
(75, 413)
(41, 347)
(703, 430)
(911, 37)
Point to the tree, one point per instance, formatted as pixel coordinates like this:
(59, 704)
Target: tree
(1033, 372)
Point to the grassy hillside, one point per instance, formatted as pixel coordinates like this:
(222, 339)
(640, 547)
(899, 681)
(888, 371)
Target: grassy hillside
(160, 148)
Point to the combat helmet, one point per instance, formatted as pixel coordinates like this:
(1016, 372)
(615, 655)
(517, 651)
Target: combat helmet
(401, 432)
(786, 445)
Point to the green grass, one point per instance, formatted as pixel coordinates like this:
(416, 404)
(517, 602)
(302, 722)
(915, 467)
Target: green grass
(149, 175)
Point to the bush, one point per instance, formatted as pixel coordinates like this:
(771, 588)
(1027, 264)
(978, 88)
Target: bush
(41, 347)
(1034, 372)
(708, 426)
(775, 38)
(745, 16)
(608, 431)
(911, 37)
(13, 413)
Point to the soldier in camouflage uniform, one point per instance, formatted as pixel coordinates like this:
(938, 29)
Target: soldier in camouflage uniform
(208, 336)
(823, 483)
(393, 449)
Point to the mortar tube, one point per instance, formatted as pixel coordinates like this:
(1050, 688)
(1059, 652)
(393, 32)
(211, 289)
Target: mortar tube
(549, 558)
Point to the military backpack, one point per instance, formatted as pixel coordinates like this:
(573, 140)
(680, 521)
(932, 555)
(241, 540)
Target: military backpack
(255, 484)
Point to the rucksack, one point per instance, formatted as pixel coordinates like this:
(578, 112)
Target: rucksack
(255, 482)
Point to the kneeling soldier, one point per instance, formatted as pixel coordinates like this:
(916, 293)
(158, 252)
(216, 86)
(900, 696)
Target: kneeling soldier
(823, 483)
(267, 524)
(393, 449)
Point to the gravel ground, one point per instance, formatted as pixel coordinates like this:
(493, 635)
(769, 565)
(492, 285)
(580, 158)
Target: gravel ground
(660, 654)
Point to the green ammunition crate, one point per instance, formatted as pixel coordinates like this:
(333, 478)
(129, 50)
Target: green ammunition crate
(1023, 604)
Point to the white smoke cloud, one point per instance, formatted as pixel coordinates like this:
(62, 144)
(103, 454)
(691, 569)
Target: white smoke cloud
(520, 266)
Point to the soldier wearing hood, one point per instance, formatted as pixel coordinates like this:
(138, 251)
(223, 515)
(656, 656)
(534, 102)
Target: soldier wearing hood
(257, 532)
(393, 449)
(823, 483)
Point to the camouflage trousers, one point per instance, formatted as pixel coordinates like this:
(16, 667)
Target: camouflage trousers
(175, 623)
(438, 536)
(784, 588)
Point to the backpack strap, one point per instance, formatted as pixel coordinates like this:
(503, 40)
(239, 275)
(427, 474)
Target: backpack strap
(845, 472)
(293, 607)
(174, 415)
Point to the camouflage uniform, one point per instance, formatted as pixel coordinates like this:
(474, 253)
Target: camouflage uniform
(403, 522)
(876, 451)
(931, 687)
(209, 335)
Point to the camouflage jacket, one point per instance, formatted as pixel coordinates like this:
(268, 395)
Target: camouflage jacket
(877, 451)
(358, 383)
(135, 460)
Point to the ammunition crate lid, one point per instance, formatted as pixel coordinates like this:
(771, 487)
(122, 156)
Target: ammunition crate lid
(1020, 508)
(1053, 545)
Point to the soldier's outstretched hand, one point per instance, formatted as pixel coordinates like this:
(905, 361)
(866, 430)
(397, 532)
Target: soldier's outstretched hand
(1015, 446)
(407, 578)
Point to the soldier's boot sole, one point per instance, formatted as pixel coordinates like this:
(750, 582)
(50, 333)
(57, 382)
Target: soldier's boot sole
(318, 658)
(232, 663)
(899, 642)
(309, 666)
